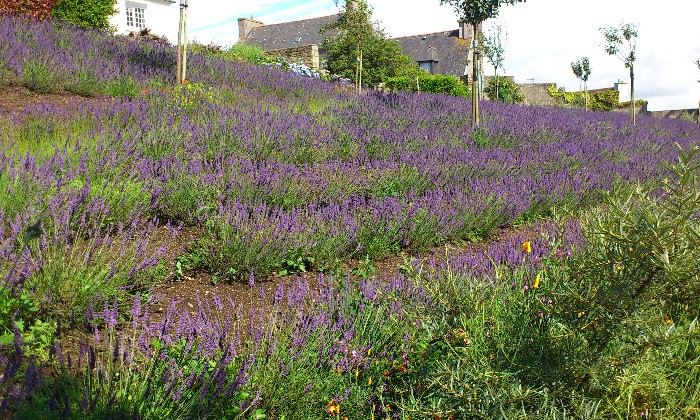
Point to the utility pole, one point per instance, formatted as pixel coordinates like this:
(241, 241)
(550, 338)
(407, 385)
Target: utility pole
(182, 44)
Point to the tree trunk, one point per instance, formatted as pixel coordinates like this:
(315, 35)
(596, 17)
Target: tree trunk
(475, 78)
(495, 74)
(357, 69)
(585, 94)
(360, 84)
(184, 44)
(633, 105)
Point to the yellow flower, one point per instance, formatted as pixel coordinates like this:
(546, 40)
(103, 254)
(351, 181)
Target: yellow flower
(369, 381)
(333, 408)
(526, 247)
(667, 320)
(581, 313)
(536, 284)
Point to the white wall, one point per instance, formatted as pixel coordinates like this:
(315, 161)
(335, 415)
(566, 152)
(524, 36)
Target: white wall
(162, 17)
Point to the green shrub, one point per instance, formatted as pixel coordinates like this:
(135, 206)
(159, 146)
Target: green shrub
(431, 83)
(123, 87)
(508, 91)
(85, 13)
(610, 331)
(248, 53)
(604, 101)
(85, 84)
(38, 76)
(7, 77)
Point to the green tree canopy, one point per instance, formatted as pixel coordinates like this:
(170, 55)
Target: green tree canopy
(86, 13)
(581, 69)
(475, 12)
(361, 51)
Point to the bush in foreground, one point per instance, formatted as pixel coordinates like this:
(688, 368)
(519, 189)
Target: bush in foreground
(608, 330)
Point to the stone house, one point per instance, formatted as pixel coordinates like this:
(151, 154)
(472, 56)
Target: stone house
(161, 17)
(298, 41)
(444, 52)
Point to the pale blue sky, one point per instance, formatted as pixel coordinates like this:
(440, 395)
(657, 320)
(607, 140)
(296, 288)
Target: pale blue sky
(544, 37)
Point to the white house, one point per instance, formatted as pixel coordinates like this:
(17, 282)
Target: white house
(160, 16)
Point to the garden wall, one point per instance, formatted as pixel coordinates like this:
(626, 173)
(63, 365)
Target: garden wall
(689, 114)
(538, 94)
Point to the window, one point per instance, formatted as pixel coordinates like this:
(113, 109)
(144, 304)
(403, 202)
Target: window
(135, 16)
(426, 65)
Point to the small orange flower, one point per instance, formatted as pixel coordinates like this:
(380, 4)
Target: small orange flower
(526, 247)
(387, 373)
(388, 408)
(184, 81)
(333, 408)
(402, 368)
(667, 320)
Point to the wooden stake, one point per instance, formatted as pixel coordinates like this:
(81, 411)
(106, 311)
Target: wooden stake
(179, 48)
(184, 43)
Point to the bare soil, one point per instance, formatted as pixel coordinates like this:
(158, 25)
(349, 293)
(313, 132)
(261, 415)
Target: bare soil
(15, 99)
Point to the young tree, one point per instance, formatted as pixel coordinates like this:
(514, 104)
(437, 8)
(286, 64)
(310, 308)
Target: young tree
(582, 70)
(475, 12)
(361, 51)
(621, 42)
(494, 50)
(38, 9)
(86, 13)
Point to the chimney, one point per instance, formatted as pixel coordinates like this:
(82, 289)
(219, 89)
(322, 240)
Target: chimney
(246, 26)
(465, 30)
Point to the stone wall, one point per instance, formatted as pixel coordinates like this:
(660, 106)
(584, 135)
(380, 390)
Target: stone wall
(641, 109)
(307, 54)
(538, 94)
(689, 114)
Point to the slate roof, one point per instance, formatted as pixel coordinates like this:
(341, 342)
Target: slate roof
(290, 34)
(446, 48)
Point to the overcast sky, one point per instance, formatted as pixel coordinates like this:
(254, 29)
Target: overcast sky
(544, 37)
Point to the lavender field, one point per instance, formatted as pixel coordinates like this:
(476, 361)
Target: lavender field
(277, 173)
